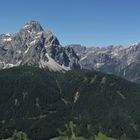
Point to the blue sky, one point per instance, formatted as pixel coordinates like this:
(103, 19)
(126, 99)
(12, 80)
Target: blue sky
(86, 22)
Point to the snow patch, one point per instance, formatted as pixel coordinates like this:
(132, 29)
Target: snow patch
(83, 58)
(26, 50)
(28, 31)
(98, 65)
(33, 42)
(19, 51)
(114, 54)
(26, 26)
(8, 34)
(7, 39)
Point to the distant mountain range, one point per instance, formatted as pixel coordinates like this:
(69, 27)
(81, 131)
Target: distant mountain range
(32, 46)
(118, 60)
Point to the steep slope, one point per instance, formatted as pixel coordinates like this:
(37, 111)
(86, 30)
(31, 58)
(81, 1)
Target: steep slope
(44, 104)
(112, 59)
(32, 46)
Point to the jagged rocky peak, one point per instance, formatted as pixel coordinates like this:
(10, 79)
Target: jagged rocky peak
(33, 26)
(33, 30)
(32, 46)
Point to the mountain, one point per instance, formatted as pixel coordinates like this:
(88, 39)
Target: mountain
(80, 103)
(32, 46)
(36, 97)
(118, 60)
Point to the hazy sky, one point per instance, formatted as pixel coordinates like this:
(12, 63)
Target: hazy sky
(86, 22)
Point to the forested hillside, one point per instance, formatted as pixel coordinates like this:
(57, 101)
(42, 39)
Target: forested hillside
(77, 103)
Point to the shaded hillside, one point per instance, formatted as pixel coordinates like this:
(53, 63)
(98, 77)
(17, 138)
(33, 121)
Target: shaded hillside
(43, 103)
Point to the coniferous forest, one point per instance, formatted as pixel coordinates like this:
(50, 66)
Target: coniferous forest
(80, 104)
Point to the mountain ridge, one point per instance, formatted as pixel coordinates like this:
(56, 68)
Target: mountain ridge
(32, 46)
(117, 60)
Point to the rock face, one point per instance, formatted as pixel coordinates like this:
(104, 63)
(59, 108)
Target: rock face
(118, 60)
(32, 46)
